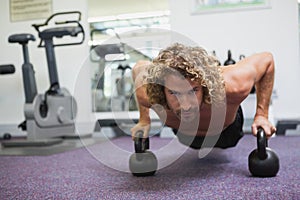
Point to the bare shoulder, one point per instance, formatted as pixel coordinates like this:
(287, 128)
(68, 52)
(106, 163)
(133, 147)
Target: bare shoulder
(241, 77)
(141, 64)
(140, 67)
(259, 57)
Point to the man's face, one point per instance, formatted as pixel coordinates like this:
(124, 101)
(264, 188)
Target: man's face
(184, 97)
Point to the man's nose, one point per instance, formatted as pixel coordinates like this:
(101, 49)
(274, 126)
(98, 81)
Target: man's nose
(185, 102)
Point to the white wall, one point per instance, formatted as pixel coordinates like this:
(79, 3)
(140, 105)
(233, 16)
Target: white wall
(248, 31)
(69, 63)
(98, 8)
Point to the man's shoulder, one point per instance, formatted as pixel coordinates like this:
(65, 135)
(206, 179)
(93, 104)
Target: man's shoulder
(237, 85)
(234, 94)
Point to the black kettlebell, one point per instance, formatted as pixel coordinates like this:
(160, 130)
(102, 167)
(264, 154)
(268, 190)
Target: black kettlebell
(263, 161)
(143, 162)
(215, 55)
(229, 60)
(7, 136)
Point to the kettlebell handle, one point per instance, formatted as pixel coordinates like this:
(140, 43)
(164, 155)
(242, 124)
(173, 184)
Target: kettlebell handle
(140, 145)
(262, 144)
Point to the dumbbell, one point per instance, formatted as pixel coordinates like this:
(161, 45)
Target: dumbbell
(143, 162)
(263, 161)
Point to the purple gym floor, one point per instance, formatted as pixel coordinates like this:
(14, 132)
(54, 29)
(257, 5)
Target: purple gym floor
(222, 174)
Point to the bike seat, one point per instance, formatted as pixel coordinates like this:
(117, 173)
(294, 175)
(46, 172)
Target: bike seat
(21, 38)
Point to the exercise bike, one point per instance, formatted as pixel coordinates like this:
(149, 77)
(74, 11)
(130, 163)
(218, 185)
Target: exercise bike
(4, 70)
(50, 116)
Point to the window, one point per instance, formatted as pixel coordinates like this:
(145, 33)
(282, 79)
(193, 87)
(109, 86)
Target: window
(117, 43)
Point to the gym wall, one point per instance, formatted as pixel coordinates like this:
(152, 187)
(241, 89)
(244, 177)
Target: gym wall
(274, 29)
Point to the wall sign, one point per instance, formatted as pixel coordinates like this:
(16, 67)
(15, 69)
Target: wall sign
(22, 10)
(208, 6)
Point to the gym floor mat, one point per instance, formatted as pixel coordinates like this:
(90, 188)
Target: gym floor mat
(222, 174)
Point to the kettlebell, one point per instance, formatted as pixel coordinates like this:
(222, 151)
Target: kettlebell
(229, 60)
(143, 162)
(215, 55)
(263, 161)
(7, 136)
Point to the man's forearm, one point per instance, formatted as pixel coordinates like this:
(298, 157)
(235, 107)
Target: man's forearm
(264, 88)
(144, 115)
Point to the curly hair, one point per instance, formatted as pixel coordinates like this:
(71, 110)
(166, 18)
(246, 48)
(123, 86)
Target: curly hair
(193, 63)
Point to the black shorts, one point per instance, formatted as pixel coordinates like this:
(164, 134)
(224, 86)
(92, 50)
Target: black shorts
(228, 138)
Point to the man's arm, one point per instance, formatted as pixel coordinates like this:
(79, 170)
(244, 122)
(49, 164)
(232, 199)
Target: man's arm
(264, 88)
(257, 70)
(139, 72)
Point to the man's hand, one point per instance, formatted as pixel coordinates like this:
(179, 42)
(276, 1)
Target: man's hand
(145, 127)
(264, 123)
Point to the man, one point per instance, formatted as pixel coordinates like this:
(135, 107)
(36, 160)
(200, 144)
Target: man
(201, 100)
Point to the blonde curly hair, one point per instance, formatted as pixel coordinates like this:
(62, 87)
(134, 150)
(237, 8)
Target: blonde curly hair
(193, 63)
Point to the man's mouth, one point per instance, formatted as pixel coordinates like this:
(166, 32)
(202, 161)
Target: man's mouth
(192, 113)
(186, 114)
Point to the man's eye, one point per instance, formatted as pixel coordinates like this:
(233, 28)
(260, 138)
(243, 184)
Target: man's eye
(193, 91)
(174, 93)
